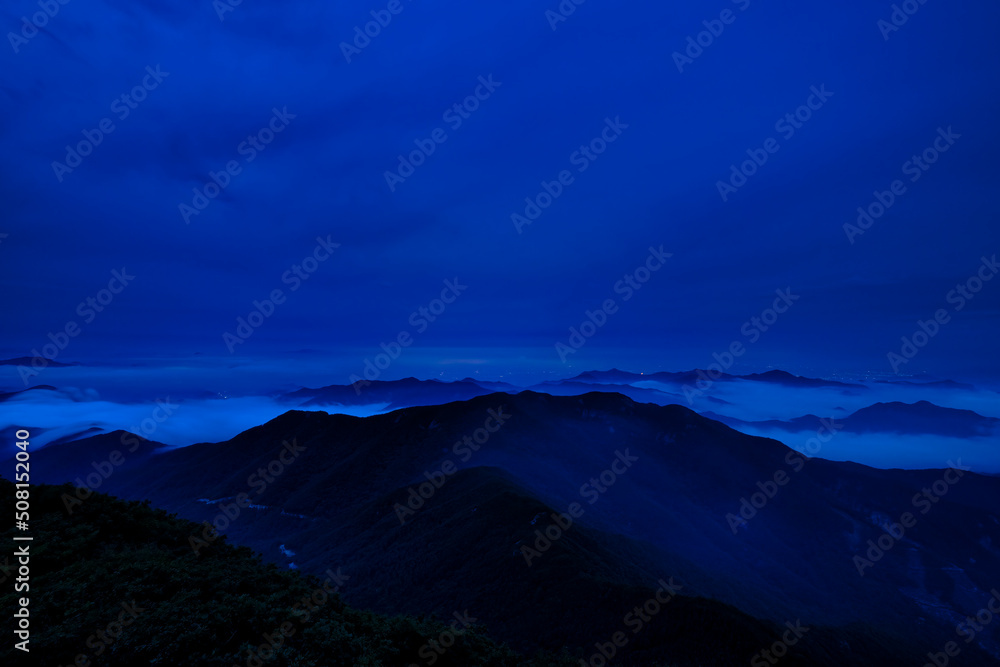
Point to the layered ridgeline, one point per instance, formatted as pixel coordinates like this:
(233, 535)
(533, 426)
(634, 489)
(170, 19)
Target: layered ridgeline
(668, 387)
(592, 523)
(921, 418)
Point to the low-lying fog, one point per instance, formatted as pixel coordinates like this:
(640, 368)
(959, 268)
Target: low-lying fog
(181, 404)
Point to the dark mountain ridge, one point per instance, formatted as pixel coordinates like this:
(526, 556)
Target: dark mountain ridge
(920, 418)
(674, 512)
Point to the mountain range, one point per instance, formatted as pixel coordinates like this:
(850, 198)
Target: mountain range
(551, 517)
(411, 391)
(920, 418)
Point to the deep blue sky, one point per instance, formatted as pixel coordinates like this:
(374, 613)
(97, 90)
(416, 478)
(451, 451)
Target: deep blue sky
(655, 185)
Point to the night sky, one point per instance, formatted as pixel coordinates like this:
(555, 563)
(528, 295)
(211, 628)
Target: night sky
(632, 139)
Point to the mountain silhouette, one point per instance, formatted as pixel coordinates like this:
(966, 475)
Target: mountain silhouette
(920, 418)
(664, 492)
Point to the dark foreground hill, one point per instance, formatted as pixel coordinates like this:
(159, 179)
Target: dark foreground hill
(429, 510)
(117, 584)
